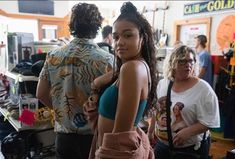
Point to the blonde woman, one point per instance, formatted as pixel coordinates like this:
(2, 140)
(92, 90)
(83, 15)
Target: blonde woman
(200, 112)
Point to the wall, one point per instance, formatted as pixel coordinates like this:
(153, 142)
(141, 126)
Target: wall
(26, 25)
(111, 9)
(31, 23)
(60, 7)
(175, 12)
(9, 6)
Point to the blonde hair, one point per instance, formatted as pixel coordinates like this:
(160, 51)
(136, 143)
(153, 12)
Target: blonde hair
(177, 54)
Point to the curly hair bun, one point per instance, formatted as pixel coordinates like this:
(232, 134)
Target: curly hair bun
(128, 8)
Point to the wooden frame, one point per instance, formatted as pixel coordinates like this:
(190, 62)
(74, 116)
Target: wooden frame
(178, 24)
(62, 25)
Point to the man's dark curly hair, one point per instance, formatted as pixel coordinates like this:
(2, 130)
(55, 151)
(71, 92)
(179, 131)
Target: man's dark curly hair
(85, 21)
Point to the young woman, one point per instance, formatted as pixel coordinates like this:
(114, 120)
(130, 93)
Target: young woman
(199, 104)
(132, 93)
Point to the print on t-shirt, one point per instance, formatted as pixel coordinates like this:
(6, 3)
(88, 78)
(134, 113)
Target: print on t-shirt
(177, 121)
(161, 129)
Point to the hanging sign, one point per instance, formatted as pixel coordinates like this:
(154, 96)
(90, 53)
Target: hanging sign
(208, 6)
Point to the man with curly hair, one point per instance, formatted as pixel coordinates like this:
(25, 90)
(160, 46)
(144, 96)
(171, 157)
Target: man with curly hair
(64, 82)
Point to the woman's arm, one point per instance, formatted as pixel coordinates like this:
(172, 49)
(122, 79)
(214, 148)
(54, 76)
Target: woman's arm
(188, 132)
(102, 80)
(43, 92)
(131, 81)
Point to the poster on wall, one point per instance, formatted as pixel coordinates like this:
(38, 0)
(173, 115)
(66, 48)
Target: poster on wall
(189, 32)
(225, 32)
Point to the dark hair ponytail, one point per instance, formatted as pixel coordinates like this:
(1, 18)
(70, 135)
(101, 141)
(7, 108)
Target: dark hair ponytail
(128, 8)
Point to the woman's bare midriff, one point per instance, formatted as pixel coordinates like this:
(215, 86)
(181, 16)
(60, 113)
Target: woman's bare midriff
(105, 125)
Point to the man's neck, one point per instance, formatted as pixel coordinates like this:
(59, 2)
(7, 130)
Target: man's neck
(200, 49)
(106, 41)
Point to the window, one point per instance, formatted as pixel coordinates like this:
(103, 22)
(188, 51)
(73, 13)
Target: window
(49, 32)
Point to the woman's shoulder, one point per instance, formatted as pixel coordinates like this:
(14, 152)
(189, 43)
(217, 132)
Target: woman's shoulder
(204, 53)
(202, 83)
(133, 66)
(204, 86)
(162, 86)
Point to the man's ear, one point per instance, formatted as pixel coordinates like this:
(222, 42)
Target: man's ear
(200, 42)
(110, 37)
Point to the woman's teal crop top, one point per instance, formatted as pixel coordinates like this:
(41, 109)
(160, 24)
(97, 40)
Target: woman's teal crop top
(108, 104)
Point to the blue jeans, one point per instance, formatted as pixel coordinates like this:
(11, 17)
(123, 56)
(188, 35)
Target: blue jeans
(72, 146)
(162, 150)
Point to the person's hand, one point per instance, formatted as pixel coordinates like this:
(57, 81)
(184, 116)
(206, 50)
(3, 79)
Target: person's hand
(102, 80)
(90, 109)
(92, 101)
(181, 137)
(150, 136)
(152, 139)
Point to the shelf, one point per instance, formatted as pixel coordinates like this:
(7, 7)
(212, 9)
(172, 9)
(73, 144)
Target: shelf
(19, 126)
(20, 77)
(13, 122)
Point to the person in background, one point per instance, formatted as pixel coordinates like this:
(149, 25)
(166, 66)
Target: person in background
(205, 63)
(107, 35)
(200, 112)
(107, 42)
(177, 42)
(133, 92)
(64, 82)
